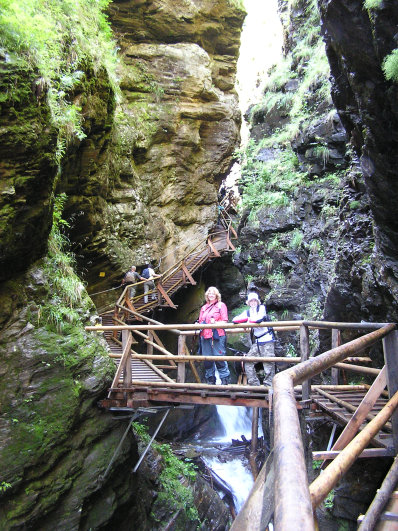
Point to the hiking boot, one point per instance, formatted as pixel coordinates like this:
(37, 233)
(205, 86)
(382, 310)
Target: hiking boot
(225, 381)
(211, 380)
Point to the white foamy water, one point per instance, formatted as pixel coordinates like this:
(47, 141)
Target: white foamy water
(235, 475)
(236, 421)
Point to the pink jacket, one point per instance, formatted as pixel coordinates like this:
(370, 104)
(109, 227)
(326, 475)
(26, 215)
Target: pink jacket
(217, 311)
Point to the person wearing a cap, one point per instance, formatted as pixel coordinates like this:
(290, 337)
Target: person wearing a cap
(262, 338)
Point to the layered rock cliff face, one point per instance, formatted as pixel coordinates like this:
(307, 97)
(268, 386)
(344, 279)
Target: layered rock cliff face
(175, 130)
(143, 181)
(145, 178)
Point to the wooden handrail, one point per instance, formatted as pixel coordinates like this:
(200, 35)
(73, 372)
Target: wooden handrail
(269, 324)
(199, 247)
(293, 508)
(123, 361)
(325, 482)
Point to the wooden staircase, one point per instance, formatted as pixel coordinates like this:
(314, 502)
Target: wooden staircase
(140, 369)
(176, 277)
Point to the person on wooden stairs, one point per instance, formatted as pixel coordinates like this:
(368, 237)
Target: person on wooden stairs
(214, 342)
(149, 275)
(262, 339)
(131, 277)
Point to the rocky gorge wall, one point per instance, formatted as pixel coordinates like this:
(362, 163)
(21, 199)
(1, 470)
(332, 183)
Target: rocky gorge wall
(322, 243)
(175, 129)
(141, 172)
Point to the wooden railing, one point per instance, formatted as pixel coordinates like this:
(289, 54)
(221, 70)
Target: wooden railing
(193, 259)
(292, 499)
(295, 499)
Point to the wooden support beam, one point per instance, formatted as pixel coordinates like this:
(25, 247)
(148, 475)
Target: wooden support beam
(192, 364)
(362, 411)
(230, 244)
(358, 368)
(368, 452)
(165, 295)
(181, 352)
(159, 372)
(336, 342)
(212, 248)
(339, 466)
(390, 348)
(126, 343)
(235, 235)
(184, 398)
(188, 275)
(126, 353)
(305, 352)
(149, 343)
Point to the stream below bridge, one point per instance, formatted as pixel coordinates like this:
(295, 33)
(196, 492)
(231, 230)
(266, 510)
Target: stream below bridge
(224, 456)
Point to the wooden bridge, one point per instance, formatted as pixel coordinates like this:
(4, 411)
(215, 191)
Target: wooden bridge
(177, 276)
(150, 374)
(364, 411)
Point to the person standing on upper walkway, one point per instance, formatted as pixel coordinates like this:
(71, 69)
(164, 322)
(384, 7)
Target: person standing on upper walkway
(263, 339)
(213, 341)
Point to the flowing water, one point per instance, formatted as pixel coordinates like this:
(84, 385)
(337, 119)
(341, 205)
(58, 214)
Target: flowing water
(217, 451)
(235, 472)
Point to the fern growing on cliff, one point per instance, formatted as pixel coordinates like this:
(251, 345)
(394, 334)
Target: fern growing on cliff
(69, 302)
(390, 66)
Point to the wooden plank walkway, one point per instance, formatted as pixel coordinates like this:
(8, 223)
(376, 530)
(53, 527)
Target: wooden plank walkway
(139, 368)
(342, 413)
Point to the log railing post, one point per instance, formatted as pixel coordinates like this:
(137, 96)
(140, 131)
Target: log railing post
(126, 338)
(390, 348)
(181, 352)
(336, 342)
(305, 353)
(149, 345)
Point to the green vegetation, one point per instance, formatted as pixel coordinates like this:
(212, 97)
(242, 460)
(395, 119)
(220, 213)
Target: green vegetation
(277, 278)
(373, 4)
(61, 39)
(316, 464)
(267, 263)
(239, 4)
(295, 90)
(291, 351)
(329, 500)
(268, 184)
(174, 477)
(296, 239)
(316, 247)
(4, 486)
(274, 243)
(354, 205)
(69, 303)
(390, 66)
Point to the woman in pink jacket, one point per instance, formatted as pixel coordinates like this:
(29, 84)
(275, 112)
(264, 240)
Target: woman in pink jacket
(213, 341)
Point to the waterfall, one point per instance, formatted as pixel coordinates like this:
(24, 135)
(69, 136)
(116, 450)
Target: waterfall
(236, 421)
(234, 470)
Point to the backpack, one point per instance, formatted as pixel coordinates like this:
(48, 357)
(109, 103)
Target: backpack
(145, 273)
(129, 277)
(269, 330)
